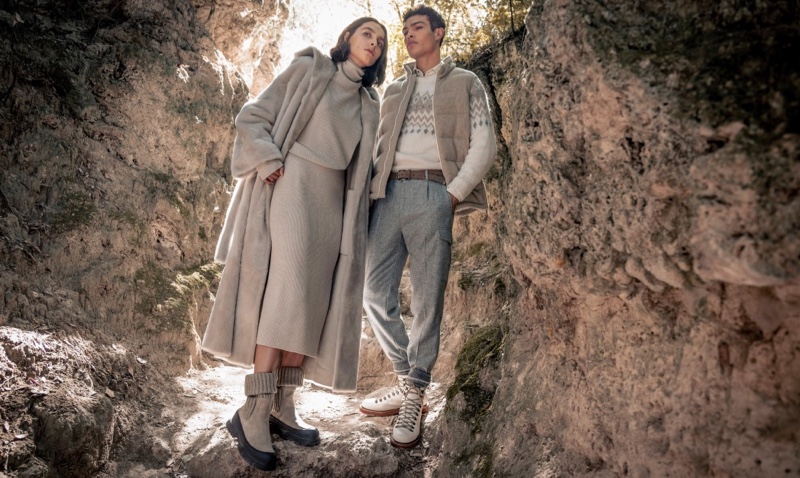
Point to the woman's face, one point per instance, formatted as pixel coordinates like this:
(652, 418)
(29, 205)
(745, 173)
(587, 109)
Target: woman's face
(366, 44)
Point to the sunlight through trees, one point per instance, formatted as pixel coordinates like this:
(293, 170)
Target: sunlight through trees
(471, 24)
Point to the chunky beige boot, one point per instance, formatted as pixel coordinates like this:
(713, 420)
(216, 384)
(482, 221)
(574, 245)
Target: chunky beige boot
(249, 424)
(284, 419)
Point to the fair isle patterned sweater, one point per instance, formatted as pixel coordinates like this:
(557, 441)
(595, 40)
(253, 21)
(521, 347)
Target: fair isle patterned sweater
(416, 146)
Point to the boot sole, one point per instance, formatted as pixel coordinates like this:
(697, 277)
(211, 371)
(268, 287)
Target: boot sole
(386, 413)
(406, 446)
(260, 460)
(300, 436)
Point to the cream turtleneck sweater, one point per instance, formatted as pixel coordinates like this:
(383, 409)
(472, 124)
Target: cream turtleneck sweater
(334, 130)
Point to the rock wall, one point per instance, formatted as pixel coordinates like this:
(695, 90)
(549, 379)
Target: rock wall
(116, 124)
(114, 158)
(649, 209)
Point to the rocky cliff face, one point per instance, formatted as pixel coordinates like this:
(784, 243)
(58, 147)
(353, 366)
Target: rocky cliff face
(649, 210)
(115, 134)
(628, 306)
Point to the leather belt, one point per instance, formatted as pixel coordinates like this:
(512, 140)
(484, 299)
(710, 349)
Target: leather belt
(423, 174)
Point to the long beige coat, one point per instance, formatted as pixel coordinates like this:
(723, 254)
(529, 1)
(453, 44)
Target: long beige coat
(266, 128)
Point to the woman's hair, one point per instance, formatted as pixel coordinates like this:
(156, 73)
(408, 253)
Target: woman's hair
(434, 17)
(373, 75)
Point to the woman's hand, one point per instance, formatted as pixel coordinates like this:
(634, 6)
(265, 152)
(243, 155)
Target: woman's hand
(274, 176)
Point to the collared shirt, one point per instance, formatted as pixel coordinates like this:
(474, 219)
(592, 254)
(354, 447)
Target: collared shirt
(432, 72)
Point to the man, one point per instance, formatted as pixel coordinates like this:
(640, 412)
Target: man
(435, 144)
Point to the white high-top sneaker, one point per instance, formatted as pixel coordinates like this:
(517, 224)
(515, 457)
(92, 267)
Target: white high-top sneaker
(407, 430)
(387, 402)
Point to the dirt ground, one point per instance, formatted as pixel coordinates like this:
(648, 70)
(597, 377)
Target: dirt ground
(354, 444)
(74, 408)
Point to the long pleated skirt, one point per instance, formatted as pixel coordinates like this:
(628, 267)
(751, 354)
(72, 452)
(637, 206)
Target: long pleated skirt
(306, 231)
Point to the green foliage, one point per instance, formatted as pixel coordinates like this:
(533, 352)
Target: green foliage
(75, 210)
(186, 285)
(470, 24)
(138, 228)
(504, 17)
(168, 295)
(126, 216)
(482, 351)
(161, 184)
(152, 288)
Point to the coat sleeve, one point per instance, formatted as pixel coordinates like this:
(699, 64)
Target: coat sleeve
(254, 148)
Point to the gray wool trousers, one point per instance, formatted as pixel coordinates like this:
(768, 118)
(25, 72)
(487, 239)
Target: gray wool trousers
(414, 220)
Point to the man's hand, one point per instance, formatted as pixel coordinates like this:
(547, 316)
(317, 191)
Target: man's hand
(453, 201)
(274, 176)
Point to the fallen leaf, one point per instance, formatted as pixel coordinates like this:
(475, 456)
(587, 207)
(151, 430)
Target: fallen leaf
(110, 393)
(20, 436)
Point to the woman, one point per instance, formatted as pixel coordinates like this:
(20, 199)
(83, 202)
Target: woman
(289, 300)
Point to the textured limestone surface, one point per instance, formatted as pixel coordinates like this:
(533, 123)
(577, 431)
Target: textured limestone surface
(116, 133)
(649, 210)
(116, 123)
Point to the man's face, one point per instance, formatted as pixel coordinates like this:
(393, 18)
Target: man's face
(419, 38)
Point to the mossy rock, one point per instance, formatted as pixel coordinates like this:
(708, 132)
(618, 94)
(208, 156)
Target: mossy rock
(479, 459)
(75, 210)
(482, 350)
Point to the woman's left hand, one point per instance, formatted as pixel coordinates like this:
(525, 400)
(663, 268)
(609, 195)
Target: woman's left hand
(453, 201)
(274, 176)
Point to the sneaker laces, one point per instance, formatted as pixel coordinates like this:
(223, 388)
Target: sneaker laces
(410, 410)
(399, 389)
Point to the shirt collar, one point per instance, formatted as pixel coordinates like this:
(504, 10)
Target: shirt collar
(432, 72)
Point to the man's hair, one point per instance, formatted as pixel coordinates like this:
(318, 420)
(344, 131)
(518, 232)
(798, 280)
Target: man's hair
(373, 75)
(434, 18)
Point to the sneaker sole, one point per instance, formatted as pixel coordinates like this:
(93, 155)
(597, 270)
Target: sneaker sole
(386, 413)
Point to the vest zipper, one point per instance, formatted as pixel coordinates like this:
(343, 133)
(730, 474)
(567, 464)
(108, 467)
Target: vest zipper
(395, 132)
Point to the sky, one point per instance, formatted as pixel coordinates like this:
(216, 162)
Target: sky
(319, 23)
(316, 23)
